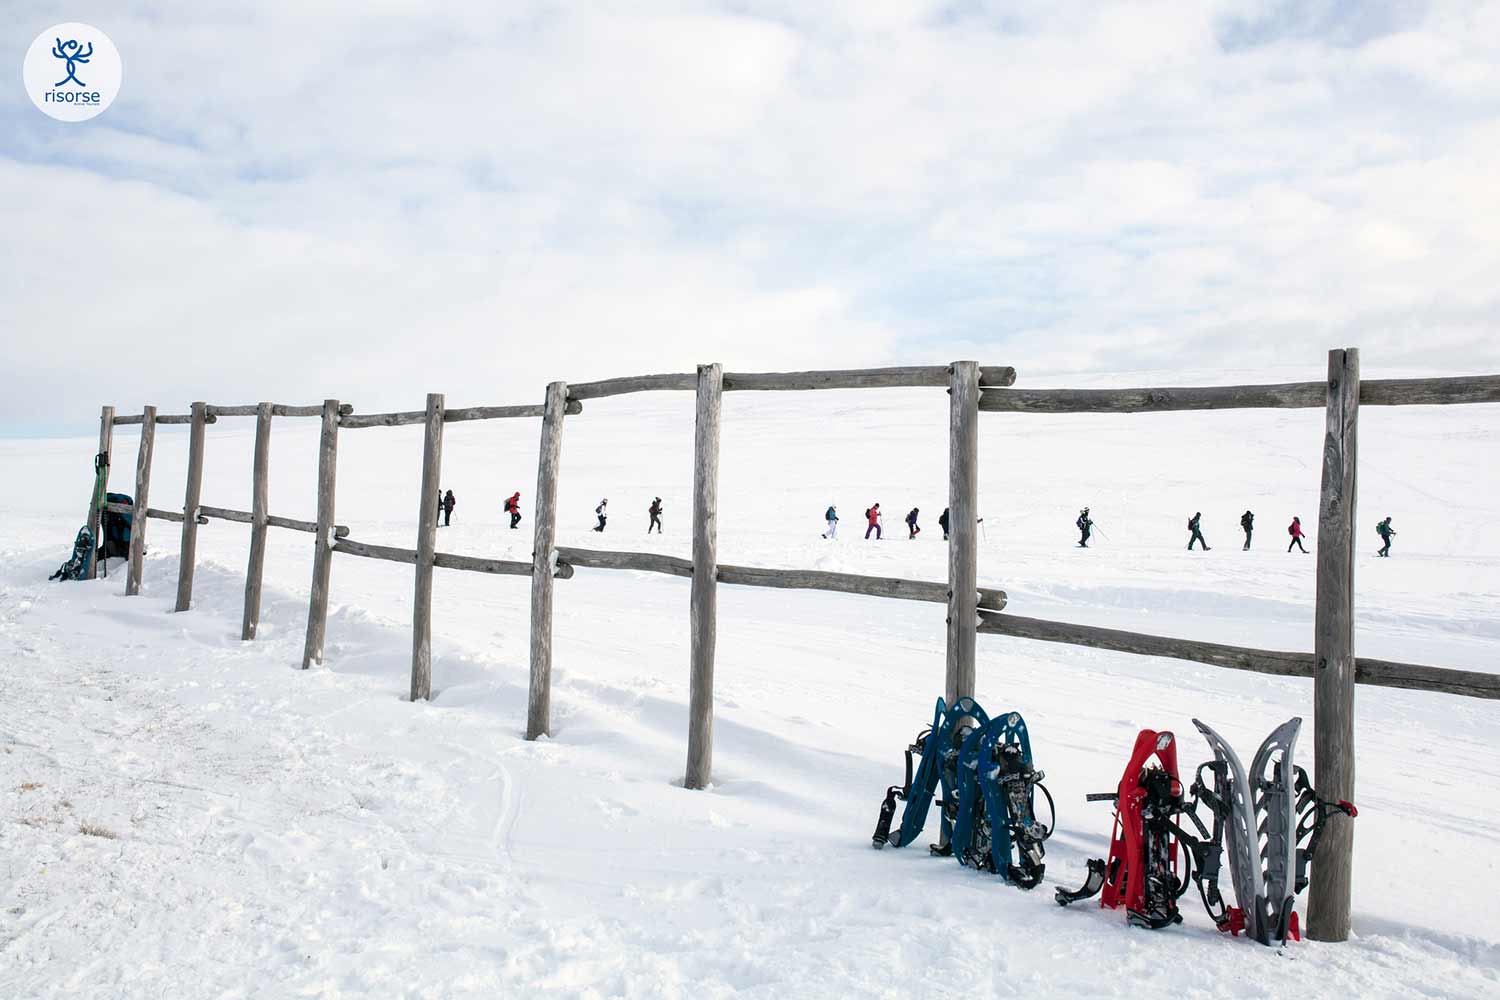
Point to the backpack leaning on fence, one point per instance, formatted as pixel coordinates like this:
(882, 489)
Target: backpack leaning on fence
(114, 529)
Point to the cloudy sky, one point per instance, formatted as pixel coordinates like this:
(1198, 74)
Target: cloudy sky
(293, 200)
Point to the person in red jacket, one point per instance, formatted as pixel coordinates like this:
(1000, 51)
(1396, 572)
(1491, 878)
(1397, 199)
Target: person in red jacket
(513, 508)
(1295, 530)
(873, 515)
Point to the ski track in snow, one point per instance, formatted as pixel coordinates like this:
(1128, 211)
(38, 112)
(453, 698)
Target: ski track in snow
(287, 833)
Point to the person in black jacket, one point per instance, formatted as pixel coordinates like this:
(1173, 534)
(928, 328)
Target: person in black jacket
(1386, 533)
(1197, 536)
(448, 504)
(1085, 528)
(943, 523)
(603, 517)
(655, 511)
(1247, 521)
(911, 524)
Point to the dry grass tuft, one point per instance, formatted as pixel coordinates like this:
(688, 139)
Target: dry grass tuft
(95, 830)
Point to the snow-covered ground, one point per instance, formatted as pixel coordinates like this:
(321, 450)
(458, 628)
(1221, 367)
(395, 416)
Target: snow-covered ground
(263, 831)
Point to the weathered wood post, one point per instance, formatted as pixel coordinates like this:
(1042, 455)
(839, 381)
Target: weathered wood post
(421, 606)
(1333, 652)
(963, 528)
(187, 562)
(328, 467)
(539, 697)
(138, 516)
(96, 502)
(704, 602)
(260, 503)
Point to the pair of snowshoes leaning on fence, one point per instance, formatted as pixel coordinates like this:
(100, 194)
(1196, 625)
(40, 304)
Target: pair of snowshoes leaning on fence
(1269, 819)
(989, 789)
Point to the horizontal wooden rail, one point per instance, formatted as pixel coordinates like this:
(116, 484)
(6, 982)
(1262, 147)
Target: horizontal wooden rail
(854, 378)
(685, 381)
(165, 418)
(226, 514)
(1289, 395)
(277, 410)
(1430, 391)
(449, 416)
(789, 579)
(648, 562)
(851, 583)
(246, 517)
(444, 560)
(311, 527)
(860, 378)
(1382, 673)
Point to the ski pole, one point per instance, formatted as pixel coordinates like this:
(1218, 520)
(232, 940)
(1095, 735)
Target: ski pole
(983, 531)
(1101, 532)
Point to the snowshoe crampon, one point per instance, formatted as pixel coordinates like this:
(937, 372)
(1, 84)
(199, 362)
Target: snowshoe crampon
(1143, 872)
(1272, 821)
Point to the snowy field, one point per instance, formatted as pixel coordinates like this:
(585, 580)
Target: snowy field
(259, 831)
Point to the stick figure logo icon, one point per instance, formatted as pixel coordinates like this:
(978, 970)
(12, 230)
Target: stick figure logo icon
(74, 54)
(90, 68)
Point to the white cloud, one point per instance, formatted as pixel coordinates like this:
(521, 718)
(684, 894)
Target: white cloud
(374, 201)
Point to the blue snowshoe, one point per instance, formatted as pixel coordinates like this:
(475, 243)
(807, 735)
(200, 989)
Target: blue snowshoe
(938, 748)
(997, 829)
(77, 566)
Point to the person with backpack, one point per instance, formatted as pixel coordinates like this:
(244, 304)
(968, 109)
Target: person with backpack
(448, 504)
(1295, 530)
(654, 511)
(1386, 533)
(911, 525)
(1197, 535)
(831, 515)
(1085, 527)
(603, 517)
(513, 508)
(943, 523)
(1247, 522)
(872, 514)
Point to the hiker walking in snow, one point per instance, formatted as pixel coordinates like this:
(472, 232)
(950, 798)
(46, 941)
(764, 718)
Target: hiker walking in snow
(448, 504)
(513, 508)
(1386, 533)
(1295, 530)
(599, 510)
(437, 516)
(873, 515)
(655, 511)
(1197, 536)
(943, 523)
(832, 517)
(911, 524)
(1085, 528)
(1247, 522)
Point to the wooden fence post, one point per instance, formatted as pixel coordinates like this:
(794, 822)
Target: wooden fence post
(260, 503)
(1333, 652)
(96, 509)
(328, 467)
(963, 528)
(187, 562)
(704, 603)
(539, 697)
(421, 615)
(138, 516)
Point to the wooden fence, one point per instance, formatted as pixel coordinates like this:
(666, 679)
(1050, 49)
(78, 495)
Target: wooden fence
(971, 609)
